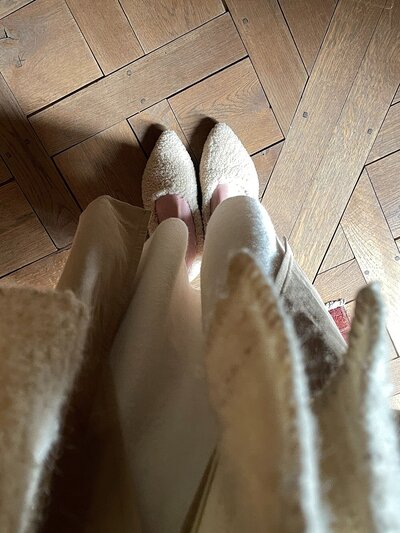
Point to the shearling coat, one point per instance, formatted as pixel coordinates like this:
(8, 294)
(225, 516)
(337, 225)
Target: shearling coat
(269, 423)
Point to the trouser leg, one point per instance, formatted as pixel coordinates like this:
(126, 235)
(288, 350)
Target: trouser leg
(100, 271)
(238, 223)
(241, 223)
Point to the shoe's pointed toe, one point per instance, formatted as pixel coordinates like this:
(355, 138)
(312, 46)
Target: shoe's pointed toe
(169, 170)
(226, 161)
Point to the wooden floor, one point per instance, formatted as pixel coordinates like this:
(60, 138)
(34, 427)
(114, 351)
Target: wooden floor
(311, 87)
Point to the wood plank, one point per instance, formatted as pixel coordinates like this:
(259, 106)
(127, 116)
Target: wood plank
(350, 144)
(394, 374)
(394, 403)
(105, 26)
(264, 162)
(111, 162)
(308, 22)
(139, 85)
(273, 53)
(396, 96)
(23, 238)
(157, 22)
(327, 89)
(343, 281)
(148, 125)
(5, 174)
(391, 349)
(385, 177)
(339, 251)
(350, 308)
(46, 56)
(234, 96)
(35, 172)
(42, 274)
(376, 252)
(388, 139)
(9, 6)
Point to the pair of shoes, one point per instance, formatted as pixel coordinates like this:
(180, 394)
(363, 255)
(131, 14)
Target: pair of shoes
(170, 170)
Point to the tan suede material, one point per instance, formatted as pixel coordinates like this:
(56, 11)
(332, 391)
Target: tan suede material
(320, 340)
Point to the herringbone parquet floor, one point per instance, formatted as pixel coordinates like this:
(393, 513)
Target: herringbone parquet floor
(311, 88)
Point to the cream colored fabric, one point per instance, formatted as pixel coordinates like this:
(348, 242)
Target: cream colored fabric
(360, 458)
(140, 432)
(285, 462)
(157, 358)
(101, 271)
(41, 342)
(241, 223)
(238, 223)
(168, 427)
(267, 474)
(156, 403)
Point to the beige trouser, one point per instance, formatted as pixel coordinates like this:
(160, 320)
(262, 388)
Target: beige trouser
(143, 429)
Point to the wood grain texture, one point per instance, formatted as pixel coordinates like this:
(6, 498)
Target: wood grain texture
(273, 54)
(140, 85)
(5, 174)
(46, 56)
(388, 139)
(350, 308)
(391, 349)
(148, 125)
(23, 238)
(233, 96)
(42, 274)
(9, 6)
(350, 144)
(107, 31)
(343, 281)
(264, 162)
(35, 172)
(339, 251)
(394, 374)
(156, 22)
(385, 177)
(396, 96)
(313, 126)
(111, 162)
(308, 21)
(375, 249)
(394, 403)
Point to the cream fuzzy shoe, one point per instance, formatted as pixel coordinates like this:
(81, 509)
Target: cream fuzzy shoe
(225, 161)
(170, 170)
